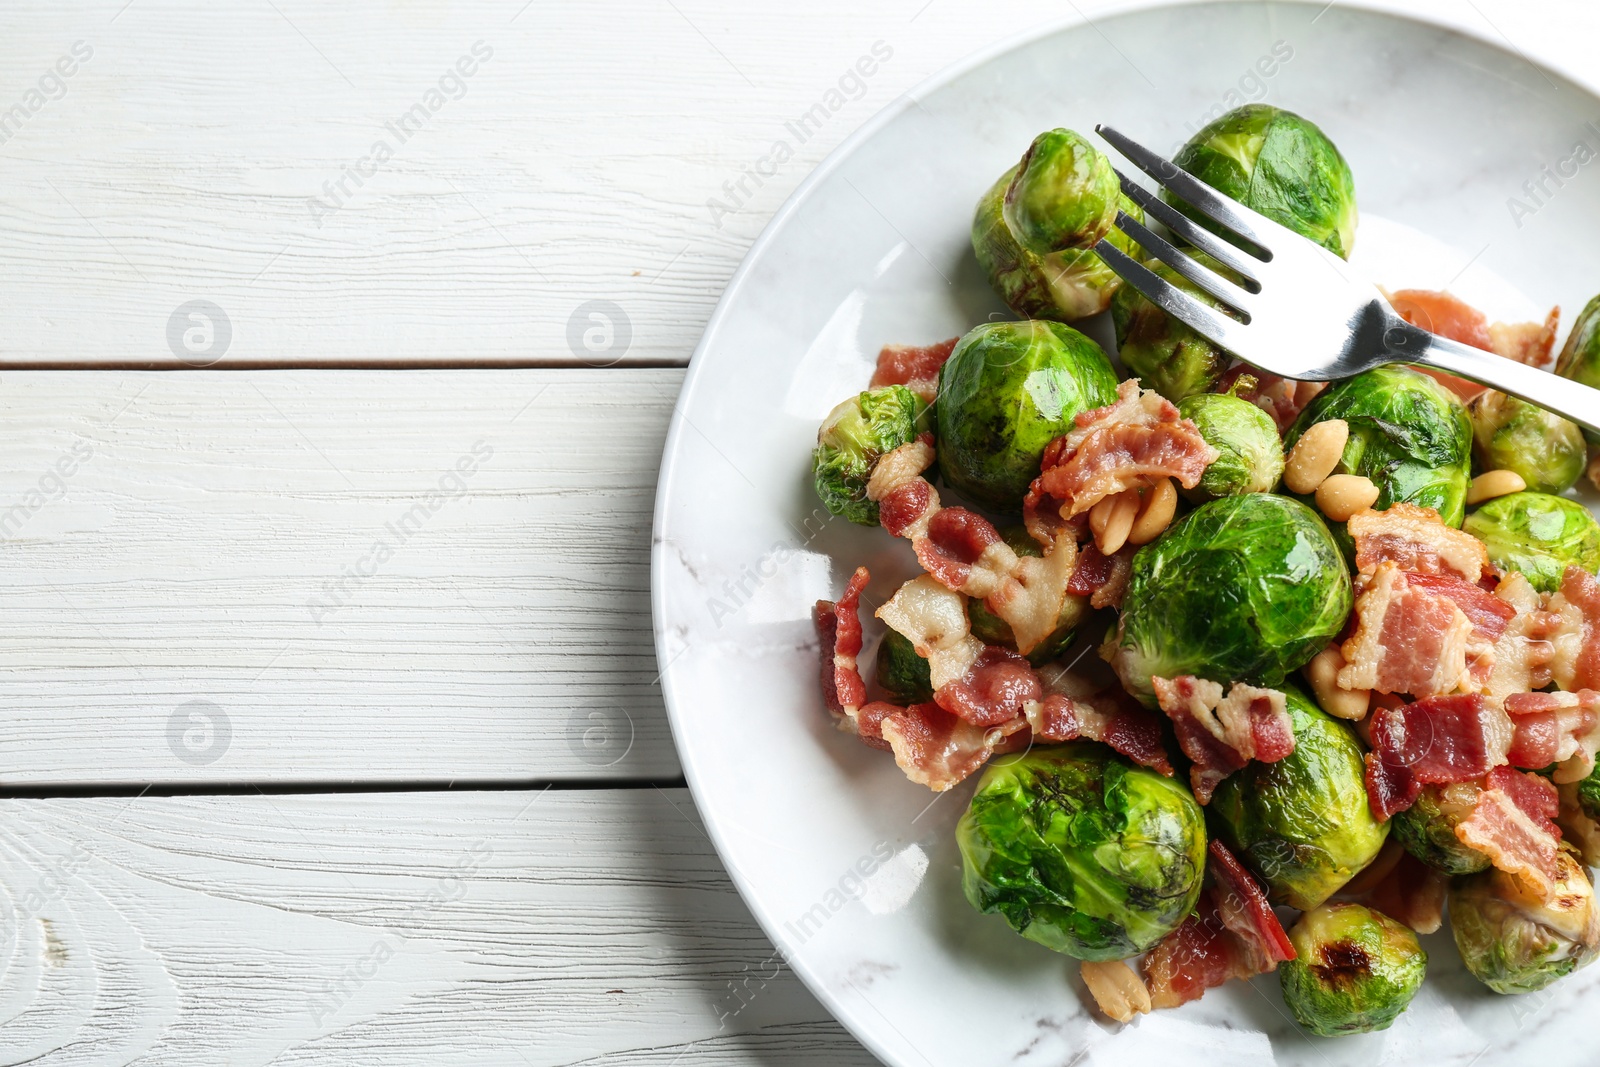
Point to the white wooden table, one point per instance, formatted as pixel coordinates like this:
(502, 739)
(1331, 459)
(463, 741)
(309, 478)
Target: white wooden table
(330, 731)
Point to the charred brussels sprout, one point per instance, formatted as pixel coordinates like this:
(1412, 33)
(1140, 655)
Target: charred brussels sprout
(1006, 392)
(1427, 829)
(850, 441)
(1081, 851)
(1166, 355)
(1302, 823)
(993, 630)
(1246, 588)
(1514, 943)
(1282, 166)
(1408, 433)
(1250, 452)
(903, 674)
(1355, 970)
(1510, 434)
(1538, 535)
(1580, 358)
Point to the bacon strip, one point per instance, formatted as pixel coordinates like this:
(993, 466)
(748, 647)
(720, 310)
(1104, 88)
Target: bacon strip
(937, 749)
(914, 366)
(1131, 444)
(1222, 734)
(1282, 398)
(839, 626)
(1524, 652)
(1417, 541)
(934, 620)
(1559, 728)
(994, 689)
(1409, 640)
(1445, 315)
(1512, 824)
(1575, 663)
(1435, 741)
(1110, 717)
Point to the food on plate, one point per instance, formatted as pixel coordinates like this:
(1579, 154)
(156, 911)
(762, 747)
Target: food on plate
(1396, 541)
(1355, 970)
(1082, 851)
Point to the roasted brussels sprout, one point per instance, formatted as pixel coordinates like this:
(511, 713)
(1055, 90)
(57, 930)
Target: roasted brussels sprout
(1355, 970)
(1245, 588)
(1580, 357)
(903, 674)
(1282, 166)
(1514, 943)
(1250, 452)
(993, 630)
(1303, 823)
(1538, 535)
(1166, 355)
(1510, 434)
(1006, 392)
(1064, 194)
(850, 441)
(1408, 433)
(1427, 829)
(1082, 851)
(1064, 285)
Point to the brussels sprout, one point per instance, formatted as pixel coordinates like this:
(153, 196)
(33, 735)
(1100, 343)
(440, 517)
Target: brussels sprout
(1580, 357)
(1302, 823)
(903, 674)
(1355, 970)
(1082, 851)
(1408, 433)
(1250, 452)
(1245, 588)
(1166, 355)
(1065, 285)
(1427, 829)
(993, 630)
(1006, 392)
(850, 441)
(1588, 790)
(1282, 166)
(1514, 943)
(1538, 535)
(1064, 194)
(1510, 434)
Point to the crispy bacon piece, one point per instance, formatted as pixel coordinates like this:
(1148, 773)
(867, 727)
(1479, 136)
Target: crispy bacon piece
(1576, 660)
(914, 366)
(1131, 444)
(1282, 398)
(1435, 741)
(1559, 728)
(839, 626)
(1101, 578)
(937, 749)
(994, 690)
(1408, 640)
(1524, 652)
(1233, 933)
(1110, 717)
(1222, 734)
(1445, 315)
(1526, 342)
(934, 620)
(1512, 824)
(1417, 541)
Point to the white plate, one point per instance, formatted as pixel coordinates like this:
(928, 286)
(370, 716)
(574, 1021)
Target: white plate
(1440, 128)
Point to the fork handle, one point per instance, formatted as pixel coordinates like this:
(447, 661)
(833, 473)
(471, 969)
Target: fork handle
(1564, 397)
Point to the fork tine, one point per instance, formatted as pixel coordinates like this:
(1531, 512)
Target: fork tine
(1185, 265)
(1189, 230)
(1181, 305)
(1204, 199)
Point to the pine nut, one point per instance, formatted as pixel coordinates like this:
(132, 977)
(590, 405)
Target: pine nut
(1491, 484)
(1100, 513)
(1315, 455)
(1160, 504)
(1119, 522)
(1342, 495)
(1117, 989)
(1323, 673)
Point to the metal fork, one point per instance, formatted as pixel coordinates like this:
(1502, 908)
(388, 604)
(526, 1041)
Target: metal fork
(1302, 312)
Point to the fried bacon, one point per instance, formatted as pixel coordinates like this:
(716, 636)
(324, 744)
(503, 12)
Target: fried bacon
(1511, 823)
(1526, 342)
(1233, 933)
(1435, 741)
(1103, 579)
(1282, 398)
(1523, 653)
(839, 626)
(1409, 640)
(914, 366)
(1576, 661)
(993, 690)
(1445, 315)
(1402, 887)
(1222, 734)
(1559, 728)
(1131, 444)
(934, 620)
(1110, 717)
(937, 749)
(1417, 541)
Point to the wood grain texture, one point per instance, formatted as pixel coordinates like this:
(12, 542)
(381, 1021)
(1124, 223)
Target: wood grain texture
(388, 929)
(178, 538)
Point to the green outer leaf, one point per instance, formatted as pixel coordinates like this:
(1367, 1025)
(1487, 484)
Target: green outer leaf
(850, 441)
(1580, 356)
(1505, 943)
(903, 674)
(1063, 195)
(1547, 451)
(1537, 535)
(1589, 794)
(1429, 833)
(1246, 588)
(1408, 433)
(1162, 352)
(1303, 823)
(1081, 851)
(1006, 392)
(1355, 970)
(1250, 452)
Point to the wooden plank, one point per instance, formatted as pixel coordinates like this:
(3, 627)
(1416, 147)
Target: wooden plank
(357, 576)
(504, 928)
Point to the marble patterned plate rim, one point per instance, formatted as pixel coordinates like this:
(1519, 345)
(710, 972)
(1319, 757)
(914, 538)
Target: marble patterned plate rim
(1433, 17)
